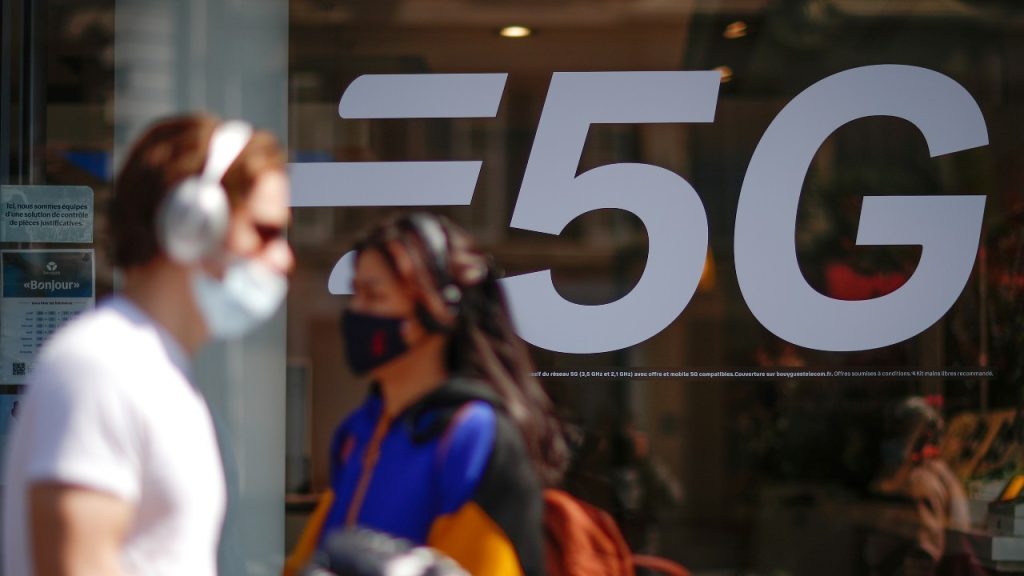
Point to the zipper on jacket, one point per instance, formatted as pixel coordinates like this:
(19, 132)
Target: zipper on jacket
(369, 463)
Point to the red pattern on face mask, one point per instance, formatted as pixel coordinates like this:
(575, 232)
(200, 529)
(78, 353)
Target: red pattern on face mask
(378, 344)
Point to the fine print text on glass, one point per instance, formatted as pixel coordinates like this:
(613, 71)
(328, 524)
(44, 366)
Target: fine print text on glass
(768, 373)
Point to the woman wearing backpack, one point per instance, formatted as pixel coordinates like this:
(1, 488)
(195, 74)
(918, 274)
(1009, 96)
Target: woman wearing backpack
(457, 439)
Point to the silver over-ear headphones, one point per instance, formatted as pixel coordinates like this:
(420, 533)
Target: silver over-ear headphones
(193, 218)
(432, 233)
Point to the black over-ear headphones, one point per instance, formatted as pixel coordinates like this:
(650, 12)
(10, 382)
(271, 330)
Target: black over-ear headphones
(432, 234)
(193, 219)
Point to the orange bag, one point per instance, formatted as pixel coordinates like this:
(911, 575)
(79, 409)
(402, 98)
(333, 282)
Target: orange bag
(583, 540)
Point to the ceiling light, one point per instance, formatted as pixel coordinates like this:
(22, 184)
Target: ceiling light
(735, 30)
(515, 32)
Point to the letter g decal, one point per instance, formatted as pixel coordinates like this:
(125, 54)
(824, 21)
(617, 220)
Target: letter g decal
(948, 228)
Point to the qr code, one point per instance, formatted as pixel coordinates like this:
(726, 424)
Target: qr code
(18, 368)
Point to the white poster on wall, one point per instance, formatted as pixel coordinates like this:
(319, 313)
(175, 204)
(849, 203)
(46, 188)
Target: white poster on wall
(42, 289)
(46, 214)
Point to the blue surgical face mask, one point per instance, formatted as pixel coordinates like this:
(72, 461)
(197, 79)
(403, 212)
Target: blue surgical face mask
(247, 296)
(370, 340)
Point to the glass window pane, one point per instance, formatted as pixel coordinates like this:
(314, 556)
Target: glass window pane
(714, 439)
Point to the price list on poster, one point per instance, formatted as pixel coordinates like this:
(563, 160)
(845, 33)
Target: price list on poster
(36, 326)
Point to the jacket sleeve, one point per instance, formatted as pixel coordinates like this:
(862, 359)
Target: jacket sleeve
(491, 504)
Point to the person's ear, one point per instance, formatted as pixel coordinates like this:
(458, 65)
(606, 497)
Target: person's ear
(412, 330)
(407, 331)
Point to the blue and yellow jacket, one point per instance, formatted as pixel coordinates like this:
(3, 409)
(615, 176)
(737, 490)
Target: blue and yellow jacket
(450, 472)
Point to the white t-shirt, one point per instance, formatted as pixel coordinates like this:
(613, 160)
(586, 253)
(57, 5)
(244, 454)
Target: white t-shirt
(109, 407)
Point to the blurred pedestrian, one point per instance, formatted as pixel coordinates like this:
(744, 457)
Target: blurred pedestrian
(113, 465)
(457, 438)
(922, 529)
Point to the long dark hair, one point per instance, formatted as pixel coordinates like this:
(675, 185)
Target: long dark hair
(457, 291)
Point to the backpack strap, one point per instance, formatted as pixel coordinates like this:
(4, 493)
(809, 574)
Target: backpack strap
(462, 454)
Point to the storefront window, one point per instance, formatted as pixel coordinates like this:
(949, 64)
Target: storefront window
(766, 254)
(80, 80)
(748, 427)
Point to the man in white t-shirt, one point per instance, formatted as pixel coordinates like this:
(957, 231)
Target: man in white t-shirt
(113, 466)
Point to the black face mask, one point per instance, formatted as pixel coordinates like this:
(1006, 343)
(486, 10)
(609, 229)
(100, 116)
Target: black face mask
(371, 341)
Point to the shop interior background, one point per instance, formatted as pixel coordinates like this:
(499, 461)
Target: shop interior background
(759, 475)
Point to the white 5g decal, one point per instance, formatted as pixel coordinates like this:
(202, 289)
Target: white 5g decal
(947, 227)
(552, 196)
